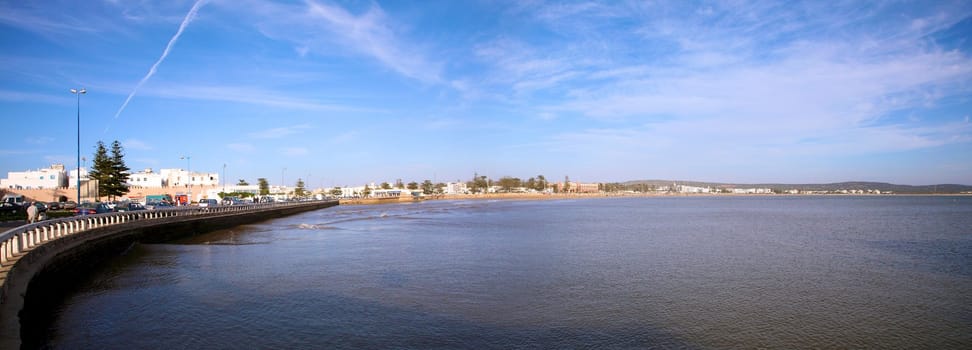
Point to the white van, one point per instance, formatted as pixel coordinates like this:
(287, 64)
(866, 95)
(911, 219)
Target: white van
(17, 199)
(206, 203)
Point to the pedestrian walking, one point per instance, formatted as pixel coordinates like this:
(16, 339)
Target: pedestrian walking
(31, 213)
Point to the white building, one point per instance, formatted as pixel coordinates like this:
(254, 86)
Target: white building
(350, 192)
(456, 188)
(73, 178)
(752, 191)
(53, 177)
(183, 178)
(147, 178)
(693, 189)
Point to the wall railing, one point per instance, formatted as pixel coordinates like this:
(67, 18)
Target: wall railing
(16, 241)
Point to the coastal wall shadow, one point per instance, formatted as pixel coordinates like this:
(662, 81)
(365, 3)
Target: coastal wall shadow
(40, 280)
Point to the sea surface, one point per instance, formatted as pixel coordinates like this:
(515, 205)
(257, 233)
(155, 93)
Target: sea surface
(775, 272)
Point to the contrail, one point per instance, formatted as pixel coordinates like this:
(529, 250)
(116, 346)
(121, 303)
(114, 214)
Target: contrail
(151, 72)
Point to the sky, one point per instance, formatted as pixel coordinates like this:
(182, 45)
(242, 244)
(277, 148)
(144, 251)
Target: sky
(342, 93)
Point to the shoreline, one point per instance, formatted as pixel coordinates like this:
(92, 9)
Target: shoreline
(556, 196)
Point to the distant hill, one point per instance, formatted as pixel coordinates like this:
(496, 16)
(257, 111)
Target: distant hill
(852, 185)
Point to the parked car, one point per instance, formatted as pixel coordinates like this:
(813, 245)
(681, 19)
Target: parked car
(41, 210)
(69, 205)
(54, 206)
(158, 205)
(205, 203)
(91, 208)
(17, 199)
(129, 206)
(232, 201)
(41, 207)
(10, 208)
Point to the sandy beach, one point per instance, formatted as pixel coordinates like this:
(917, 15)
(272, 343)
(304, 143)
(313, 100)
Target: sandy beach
(514, 196)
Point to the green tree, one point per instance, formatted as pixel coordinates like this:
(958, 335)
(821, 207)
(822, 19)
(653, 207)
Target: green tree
(509, 183)
(242, 182)
(440, 188)
(610, 187)
(336, 191)
(428, 187)
(413, 185)
(479, 184)
(367, 191)
(101, 169)
(118, 181)
(541, 183)
(235, 194)
(299, 190)
(264, 186)
(385, 186)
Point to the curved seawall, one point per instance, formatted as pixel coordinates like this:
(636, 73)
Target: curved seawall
(40, 262)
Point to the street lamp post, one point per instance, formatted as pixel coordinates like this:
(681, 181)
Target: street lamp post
(189, 169)
(80, 92)
(224, 177)
(84, 164)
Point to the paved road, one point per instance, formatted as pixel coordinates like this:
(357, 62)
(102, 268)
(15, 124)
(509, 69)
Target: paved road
(4, 225)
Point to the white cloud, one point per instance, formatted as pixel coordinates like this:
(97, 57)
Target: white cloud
(276, 133)
(40, 140)
(326, 29)
(294, 151)
(344, 137)
(147, 161)
(302, 51)
(371, 34)
(136, 144)
(738, 84)
(522, 67)
(248, 95)
(19, 96)
(59, 159)
(241, 147)
(165, 53)
(547, 116)
(43, 24)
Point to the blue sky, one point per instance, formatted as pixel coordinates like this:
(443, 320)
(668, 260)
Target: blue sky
(342, 93)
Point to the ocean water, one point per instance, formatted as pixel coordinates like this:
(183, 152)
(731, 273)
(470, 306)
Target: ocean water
(669, 272)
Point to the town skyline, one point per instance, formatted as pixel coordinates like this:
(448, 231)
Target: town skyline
(56, 176)
(341, 93)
